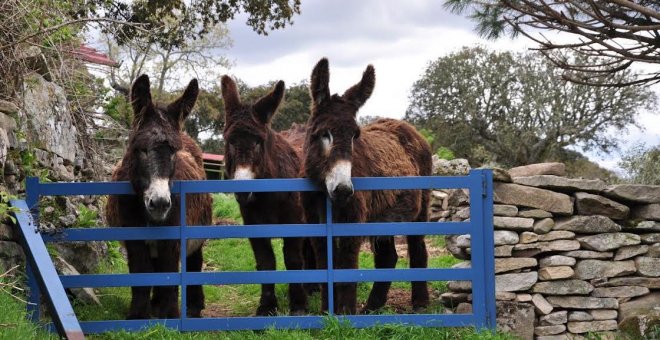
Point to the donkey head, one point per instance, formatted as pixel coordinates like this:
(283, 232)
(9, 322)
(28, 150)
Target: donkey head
(247, 132)
(155, 139)
(332, 130)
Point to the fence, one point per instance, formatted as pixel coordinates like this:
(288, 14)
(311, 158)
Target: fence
(42, 275)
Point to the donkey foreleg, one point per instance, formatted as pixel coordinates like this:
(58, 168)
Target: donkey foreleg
(385, 256)
(346, 257)
(309, 259)
(168, 296)
(139, 261)
(293, 260)
(265, 258)
(419, 258)
(195, 302)
(320, 250)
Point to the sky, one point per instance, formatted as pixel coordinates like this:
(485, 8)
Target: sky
(399, 38)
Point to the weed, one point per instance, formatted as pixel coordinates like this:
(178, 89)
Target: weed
(86, 217)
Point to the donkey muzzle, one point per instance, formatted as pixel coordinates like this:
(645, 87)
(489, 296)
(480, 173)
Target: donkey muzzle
(158, 207)
(157, 199)
(342, 193)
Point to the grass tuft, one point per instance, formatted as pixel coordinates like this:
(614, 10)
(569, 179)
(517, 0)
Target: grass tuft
(225, 207)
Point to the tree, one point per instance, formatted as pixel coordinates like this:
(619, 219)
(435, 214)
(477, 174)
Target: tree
(172, 65)
(294, 108)
(199, 58)
(514, 109)
(642, 164)
(613, 34)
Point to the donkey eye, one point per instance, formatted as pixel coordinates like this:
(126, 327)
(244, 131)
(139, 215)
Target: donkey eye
(327, 135)
(326, 140)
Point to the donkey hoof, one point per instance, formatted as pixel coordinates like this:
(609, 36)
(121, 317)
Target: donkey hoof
(298, 312)
(419, 309)
(311, 288)
(194, 312)
(137, 316)
(267, 311)
(366, 310)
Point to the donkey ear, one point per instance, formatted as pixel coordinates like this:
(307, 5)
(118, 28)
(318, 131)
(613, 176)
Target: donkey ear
(266, 106)
(181, 108)
(360, 92)
(230, 94)
(319, 87)
(140, 96)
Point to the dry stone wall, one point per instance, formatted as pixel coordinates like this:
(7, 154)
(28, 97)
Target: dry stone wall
(584, 256)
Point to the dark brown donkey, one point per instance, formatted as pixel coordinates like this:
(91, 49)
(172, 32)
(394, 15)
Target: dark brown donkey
(254, 150)
(158, 153)
(336, 148)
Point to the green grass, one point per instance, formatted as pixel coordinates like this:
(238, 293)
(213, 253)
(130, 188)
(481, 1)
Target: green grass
(334, 329)
(13, 322)
(226, 207)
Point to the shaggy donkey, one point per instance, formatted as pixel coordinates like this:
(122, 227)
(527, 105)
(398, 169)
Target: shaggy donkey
(336, 149)
(254, 150)
(158, 153)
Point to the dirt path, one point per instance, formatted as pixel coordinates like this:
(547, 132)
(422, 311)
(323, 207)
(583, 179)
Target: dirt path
(402, 248)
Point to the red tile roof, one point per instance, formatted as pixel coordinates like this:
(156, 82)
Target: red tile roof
(213, 157)
(91, 55)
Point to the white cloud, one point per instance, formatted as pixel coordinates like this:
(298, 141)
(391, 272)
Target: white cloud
(398, 38)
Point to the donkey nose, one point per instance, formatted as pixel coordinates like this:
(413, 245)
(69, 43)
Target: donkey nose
(342, 192)
(159, 203)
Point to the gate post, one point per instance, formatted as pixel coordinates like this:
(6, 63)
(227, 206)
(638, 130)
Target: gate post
(482, 245)
(489, 247)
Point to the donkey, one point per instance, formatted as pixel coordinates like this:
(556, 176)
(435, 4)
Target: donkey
(336, 148)
(254, 150)
(158, 153)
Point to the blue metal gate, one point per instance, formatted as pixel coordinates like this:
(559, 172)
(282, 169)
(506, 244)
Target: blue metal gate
(42, 277)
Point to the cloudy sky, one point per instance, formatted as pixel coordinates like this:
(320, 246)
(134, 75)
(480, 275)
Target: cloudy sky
(398, 37)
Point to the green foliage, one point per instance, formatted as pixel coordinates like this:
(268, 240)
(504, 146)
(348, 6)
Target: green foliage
(226, 207)
(445, 153)
(428, 135)
(171, 23)
(612, 36)
(516, 107)
(7, 211)
(293, 109)
(207, 115)
(30, 166)
(119, 109)
(86, 217)
(642, 164)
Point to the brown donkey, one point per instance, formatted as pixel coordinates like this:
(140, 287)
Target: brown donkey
(336, 148)
(254, 150)
(158, 153)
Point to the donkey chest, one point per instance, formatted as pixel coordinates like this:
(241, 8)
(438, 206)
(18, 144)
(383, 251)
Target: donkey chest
(191, 247)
